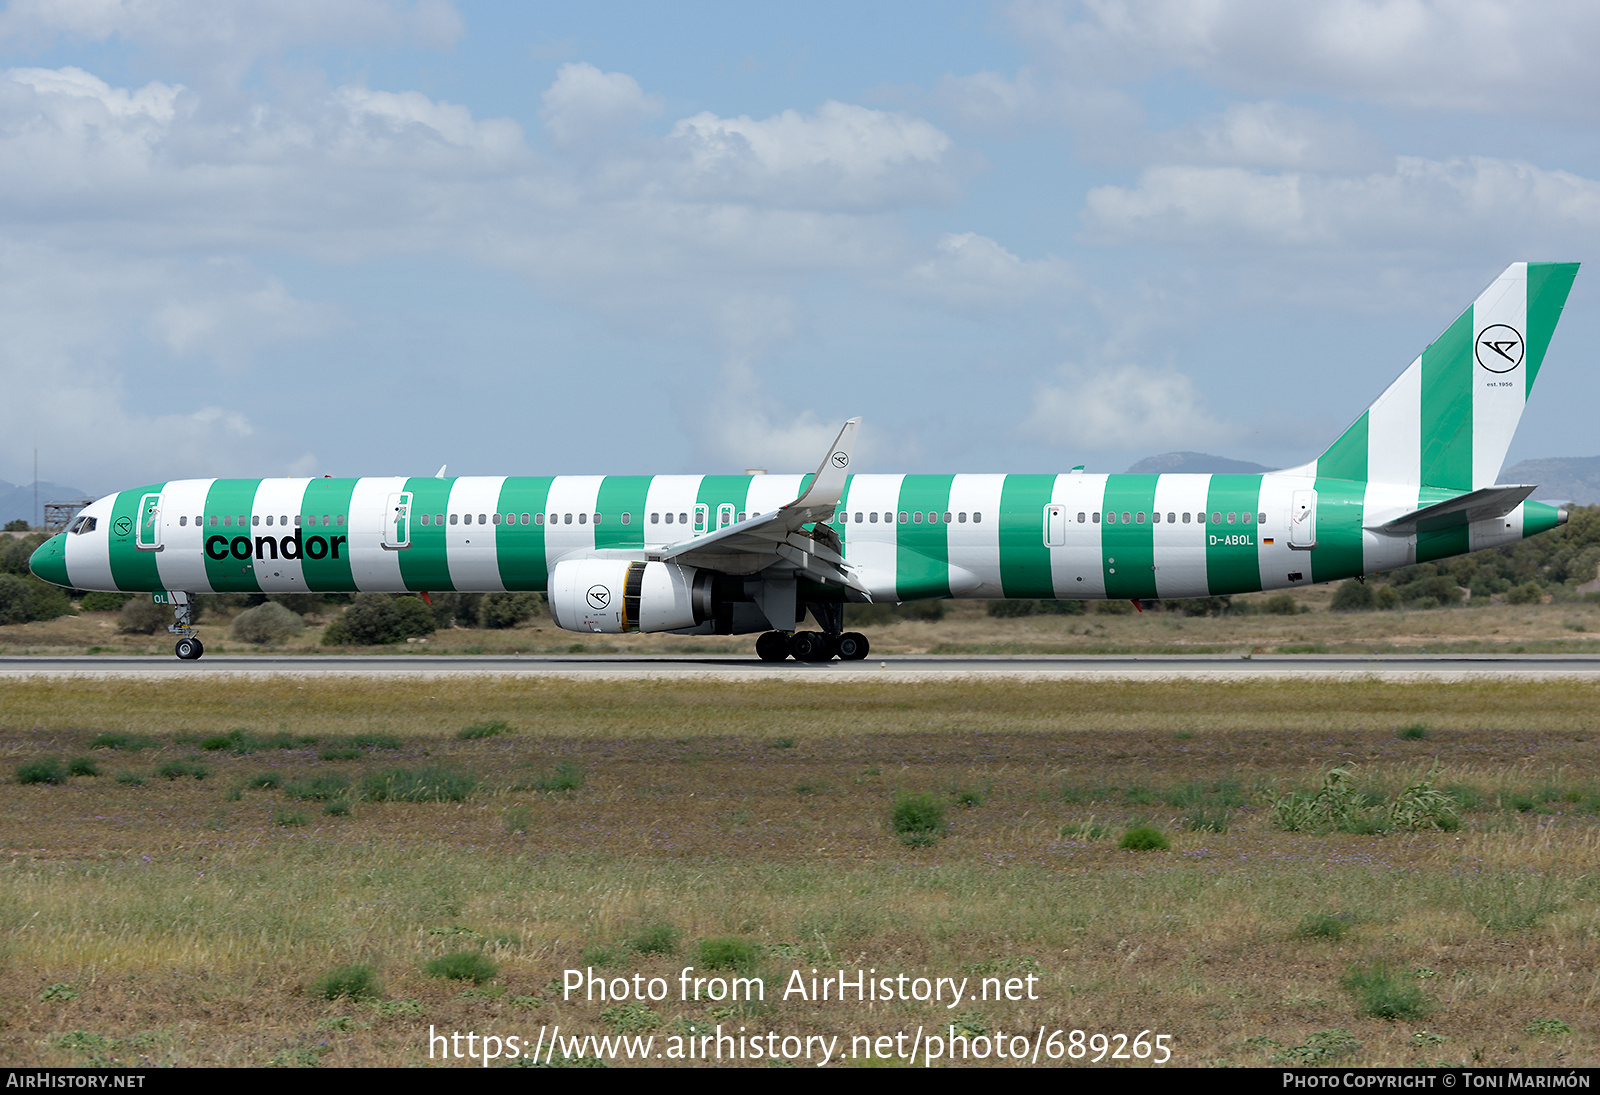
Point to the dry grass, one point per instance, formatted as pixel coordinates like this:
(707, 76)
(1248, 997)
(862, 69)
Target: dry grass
(191, 927)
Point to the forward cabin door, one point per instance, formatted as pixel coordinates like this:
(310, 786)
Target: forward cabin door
(1055, 525)
(1303, 520)
(148, 536)
(397, 522)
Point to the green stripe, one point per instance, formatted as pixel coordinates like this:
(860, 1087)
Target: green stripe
(1233, 567)
(1439, 543)
(1538, 517)
(1346, 458)
(1548, 286)
(328, 497)
(621, 494)
(922, 550)
(131, 569)
(425, 565)
(1127, 548)
(233, 498)
(1341, 506)
(1447, 408)
(519, 548)
(1024, 558)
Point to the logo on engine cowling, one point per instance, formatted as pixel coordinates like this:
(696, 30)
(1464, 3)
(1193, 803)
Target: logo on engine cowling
(599, 597)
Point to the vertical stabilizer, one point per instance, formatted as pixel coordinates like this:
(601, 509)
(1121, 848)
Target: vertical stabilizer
(1448, 420)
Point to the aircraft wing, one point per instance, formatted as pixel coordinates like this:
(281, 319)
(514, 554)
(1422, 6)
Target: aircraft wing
(756, 543)
(1479, 505)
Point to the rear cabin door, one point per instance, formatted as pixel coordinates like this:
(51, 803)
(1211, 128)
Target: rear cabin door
(1055, 525)
(1303, 520)
(397, 522)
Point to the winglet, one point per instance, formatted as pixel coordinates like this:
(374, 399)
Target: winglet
(827, 487)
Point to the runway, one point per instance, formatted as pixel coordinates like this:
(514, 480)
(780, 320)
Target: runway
(904, 668)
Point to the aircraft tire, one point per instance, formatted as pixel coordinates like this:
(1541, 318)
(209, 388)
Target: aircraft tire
(189, 650)
(773, 647)
(811, 646)
(852, 646)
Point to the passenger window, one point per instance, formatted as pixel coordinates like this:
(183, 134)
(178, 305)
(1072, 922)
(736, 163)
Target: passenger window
(269, 519)
(538, 518)
(947, 517)
(583, 518)
(1111, 517)
(181, 522)
(1261, 518)
(566, 519)
(296, 520)
(683, 518)
(255, 521)
(1155, 518)
(213, 522)
(339, 519)
(916, 518)
(425, 518)
(597, 518)
(483, 518)
(497, 518)
(977, 517)
(1126, 517)
(1139, 517)
(1082, 517)
(627, 518)
(525, 518)
(1245, 517)
(742, 516)
(1216, 518)
(455, 518)
(227, 521)
(669, 518)
(1170, 516)
(1231, 516)
(873, 519)
(905, 518)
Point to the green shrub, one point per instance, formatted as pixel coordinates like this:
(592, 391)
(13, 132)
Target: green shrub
(729, 953)
(46, 770)
(918, 819)
(356, 982)
(131, 779)
(24, 597)
(429, 784)
(1546, 1028)
(317, 788)
(1528, 593)
(601, 955)
(103, 602)
(339, 807)
(630, 1018)
(1145, 838)
(1385, 995)
(83, 766)
(178, 769)
(266, 623)
(655, 937)
(1352, 596)
(486, 729)
(1323, 1048)
(503, 610)
(266, 781)
(1086, 830)
(970, 796)
(566, 777)
(1281, 604)
(1207, 820)
(471, 965)
(1324, 926)
(1415, 732)
(288, 818)
(374, 619)
(517, 819)
(142, 616)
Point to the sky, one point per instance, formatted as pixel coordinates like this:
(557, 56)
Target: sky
(371, 237)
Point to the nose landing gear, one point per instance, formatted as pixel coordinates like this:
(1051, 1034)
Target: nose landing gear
(188, 647)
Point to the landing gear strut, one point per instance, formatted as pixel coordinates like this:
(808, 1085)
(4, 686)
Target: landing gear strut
(188, 647)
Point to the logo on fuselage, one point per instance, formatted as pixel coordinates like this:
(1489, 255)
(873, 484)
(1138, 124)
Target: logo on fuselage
(292, 546)
(599, 597)
(1499, 348)
(124, 525)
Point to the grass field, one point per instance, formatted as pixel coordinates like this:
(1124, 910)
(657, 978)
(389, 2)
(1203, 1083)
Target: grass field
(186, 903)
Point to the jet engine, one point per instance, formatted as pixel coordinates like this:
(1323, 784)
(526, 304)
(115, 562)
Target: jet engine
(614, 595)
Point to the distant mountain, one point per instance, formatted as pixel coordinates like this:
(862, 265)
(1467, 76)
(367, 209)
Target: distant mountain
(1194, 463)
(1574, 479)
(17, 501)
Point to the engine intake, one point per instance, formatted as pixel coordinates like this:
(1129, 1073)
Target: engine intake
(611, 596)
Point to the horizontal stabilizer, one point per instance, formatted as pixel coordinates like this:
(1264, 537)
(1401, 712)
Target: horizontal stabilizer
(1479, 505)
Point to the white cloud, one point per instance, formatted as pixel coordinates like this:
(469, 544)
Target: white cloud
(1271, 135)
(585, 104)
(1491, 56)
(973, 272)
(1419, 202)
(1121, 409)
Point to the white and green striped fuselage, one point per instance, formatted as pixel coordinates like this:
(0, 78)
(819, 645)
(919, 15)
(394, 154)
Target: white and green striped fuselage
(1412, 480)
(904, 537)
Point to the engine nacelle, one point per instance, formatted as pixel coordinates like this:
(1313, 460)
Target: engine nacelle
(613, 595)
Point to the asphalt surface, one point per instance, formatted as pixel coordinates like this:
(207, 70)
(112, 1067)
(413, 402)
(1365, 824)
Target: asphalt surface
(893, 667)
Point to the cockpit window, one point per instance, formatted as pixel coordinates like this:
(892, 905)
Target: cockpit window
(82, 524)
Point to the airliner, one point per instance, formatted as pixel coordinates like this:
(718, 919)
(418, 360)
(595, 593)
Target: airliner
(1412, 480)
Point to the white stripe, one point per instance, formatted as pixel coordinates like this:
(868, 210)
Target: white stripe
(975, 547)
(1394, 430)
(281, 498)
(570, 495)
(374, 569)
(870, 546)
(470, 549)
(1497, 398)
(1180, 549)
(1076, 570)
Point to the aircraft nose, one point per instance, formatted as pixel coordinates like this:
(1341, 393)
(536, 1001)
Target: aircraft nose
(49, 560)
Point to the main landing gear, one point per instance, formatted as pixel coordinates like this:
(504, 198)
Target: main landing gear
(812, 646)
(188, 648)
